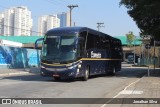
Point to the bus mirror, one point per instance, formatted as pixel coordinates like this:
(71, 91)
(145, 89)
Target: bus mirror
(36, 42)
(45, 42)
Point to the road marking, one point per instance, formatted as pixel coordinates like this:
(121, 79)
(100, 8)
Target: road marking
(131, 92)
(125, 89)
(132, 84)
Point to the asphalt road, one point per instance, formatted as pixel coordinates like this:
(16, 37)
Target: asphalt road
(35, 86)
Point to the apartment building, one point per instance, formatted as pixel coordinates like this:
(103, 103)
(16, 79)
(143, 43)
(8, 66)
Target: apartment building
(16, 21)
(64, 19)
(1, 24)
(47, 22)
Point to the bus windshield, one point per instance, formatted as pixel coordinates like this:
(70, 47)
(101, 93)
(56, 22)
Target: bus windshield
(59, 49)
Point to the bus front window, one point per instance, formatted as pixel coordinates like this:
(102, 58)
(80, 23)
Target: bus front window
(59, 49)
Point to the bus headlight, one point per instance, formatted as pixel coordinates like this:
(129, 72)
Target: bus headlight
(42, 66)
(79, 66)
(77, 70)
(70, 67)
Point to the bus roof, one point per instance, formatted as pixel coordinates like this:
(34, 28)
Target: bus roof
(71, 30)
(67, 30)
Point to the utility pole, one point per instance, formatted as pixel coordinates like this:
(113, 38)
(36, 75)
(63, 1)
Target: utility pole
(154, 54)
(99, 25)
(71, 8)
(134, 49)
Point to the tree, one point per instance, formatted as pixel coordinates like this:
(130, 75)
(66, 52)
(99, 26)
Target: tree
(130, 38)
(146, 14)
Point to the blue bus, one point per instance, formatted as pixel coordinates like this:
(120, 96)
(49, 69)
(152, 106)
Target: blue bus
(73, 52)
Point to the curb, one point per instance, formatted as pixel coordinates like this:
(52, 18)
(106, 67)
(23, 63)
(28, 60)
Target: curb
(133, 67)
(16, 73)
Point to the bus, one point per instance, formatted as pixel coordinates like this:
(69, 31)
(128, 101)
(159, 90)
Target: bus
(73, 52)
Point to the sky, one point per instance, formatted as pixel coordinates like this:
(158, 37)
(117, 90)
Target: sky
(88, 13)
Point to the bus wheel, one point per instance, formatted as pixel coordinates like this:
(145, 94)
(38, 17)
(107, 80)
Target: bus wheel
(86, 75)
(57, 78)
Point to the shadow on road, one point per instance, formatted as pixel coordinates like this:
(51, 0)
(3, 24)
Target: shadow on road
(132, 72)
(125, 72)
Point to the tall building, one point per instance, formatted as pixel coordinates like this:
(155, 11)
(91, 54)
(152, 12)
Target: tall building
(9, 22)
(42, 25)
(1, 24)
(47, 22)
(17, 21)
(22, 21)
(64, 19)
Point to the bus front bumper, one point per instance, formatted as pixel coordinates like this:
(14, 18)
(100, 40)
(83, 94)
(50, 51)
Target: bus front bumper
(63, 73)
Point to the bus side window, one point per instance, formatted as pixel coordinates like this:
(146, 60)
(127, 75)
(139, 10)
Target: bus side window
(81, 44)
(103, 43)
(92, 41)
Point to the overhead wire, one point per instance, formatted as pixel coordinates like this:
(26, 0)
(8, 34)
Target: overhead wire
(55, 2)
(21, 29)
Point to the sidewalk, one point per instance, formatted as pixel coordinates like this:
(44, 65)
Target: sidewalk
(146, 91)
(145, 87)
(7, 72)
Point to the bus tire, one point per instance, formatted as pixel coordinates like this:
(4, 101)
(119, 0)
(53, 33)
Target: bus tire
(86, 74)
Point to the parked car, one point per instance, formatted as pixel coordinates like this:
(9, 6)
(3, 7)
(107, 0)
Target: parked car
(130, 59)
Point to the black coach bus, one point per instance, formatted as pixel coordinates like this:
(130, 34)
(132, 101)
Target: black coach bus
(72, 52)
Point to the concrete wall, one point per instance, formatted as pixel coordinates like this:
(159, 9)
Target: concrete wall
(12, 57)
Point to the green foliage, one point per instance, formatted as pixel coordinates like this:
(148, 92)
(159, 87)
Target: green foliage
(146, 14)
(130, 38)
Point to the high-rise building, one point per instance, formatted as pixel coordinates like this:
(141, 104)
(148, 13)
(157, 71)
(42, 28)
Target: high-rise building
(42, 25)
(22, 21)
(64, 19)
(47, 22)
(17, 21)
(1, 24)
(9, 22)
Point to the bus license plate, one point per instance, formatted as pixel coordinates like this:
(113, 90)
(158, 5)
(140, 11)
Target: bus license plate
(56, 75)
